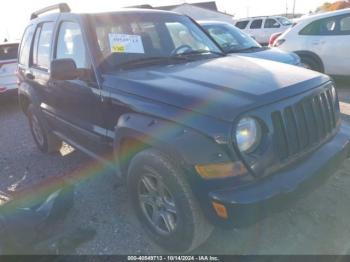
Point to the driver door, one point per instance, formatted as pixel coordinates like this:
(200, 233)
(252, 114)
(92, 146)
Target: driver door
(77, 102)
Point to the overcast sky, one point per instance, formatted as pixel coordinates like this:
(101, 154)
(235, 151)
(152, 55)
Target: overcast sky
(14, 15)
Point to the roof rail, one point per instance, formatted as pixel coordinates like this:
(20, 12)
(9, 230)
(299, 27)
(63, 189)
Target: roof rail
(62, 7)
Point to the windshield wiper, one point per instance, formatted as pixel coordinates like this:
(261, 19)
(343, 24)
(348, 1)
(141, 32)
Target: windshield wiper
(243, 49)
(199, 52)
(150, 60)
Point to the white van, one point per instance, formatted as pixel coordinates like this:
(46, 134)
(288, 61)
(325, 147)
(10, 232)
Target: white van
(261, 28)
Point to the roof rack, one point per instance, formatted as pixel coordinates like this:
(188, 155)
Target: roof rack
(62, 7)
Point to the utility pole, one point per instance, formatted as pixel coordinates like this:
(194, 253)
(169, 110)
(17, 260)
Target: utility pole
(286, 8)
(294, 8)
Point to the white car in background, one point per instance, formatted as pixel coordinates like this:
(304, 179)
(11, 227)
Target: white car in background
(8, 67)
(261, 28)
(322, 42)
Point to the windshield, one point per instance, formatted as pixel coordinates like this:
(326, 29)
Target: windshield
(135, 39)
(284, 21)
(230, 38)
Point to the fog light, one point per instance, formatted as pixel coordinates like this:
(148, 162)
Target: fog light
(221, 170)
(220, 210)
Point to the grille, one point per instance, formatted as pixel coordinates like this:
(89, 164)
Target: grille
(305, 124)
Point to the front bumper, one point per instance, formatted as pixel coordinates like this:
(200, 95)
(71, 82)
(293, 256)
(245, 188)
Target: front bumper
(247, 204)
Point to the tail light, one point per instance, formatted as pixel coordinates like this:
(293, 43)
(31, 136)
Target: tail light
(273, 39)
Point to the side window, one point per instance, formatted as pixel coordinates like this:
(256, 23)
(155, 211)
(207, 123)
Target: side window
(24, 52)
(271, 23)
(326, 26)
(242, 24)
(345, 25)
(70, 44)
(42, 45)
(256, 24)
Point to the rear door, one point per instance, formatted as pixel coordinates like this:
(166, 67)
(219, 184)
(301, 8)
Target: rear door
(338, 59)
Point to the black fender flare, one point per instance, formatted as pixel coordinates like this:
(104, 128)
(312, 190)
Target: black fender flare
(27, 92)
(186, 145)
(313, 56)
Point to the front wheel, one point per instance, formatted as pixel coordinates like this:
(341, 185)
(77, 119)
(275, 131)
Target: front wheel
(45, 141)
(310, 63)
(164, 203)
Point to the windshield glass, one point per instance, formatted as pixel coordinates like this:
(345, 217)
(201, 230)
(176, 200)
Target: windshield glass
(139, 38)
(284, 21)
(230, 38)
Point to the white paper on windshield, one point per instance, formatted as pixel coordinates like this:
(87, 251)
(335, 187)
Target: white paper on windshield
(122, 43)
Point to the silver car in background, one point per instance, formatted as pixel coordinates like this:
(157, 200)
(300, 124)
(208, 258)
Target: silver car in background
(8, 67)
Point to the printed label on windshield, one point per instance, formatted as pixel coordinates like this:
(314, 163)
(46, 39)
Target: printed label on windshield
(122, 43)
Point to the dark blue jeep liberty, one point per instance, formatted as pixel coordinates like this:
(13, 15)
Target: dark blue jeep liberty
(200, 138)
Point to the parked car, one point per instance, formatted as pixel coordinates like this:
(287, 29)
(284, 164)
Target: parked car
(8, 67)
(321, 41)
(234, 41)
(263, 27)
(200, 138)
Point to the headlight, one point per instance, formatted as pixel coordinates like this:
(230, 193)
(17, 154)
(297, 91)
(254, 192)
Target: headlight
(248, 134)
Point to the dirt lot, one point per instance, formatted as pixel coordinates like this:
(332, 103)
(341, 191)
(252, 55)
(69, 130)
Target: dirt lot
(317, 224)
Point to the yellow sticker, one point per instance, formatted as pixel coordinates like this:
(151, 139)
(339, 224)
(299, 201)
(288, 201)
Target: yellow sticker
(118, 48)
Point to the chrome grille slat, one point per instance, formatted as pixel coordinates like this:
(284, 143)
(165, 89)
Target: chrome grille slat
(304, 124)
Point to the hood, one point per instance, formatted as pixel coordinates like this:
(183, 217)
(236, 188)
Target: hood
(273, 54)
(222, 88)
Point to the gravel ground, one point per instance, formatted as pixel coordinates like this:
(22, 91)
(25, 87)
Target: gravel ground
(316, 224)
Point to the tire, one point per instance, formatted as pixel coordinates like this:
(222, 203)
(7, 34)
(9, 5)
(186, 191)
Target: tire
(311, 63)
(188, 227)
(45, 141)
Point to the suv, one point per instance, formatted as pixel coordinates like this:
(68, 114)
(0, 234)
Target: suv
(200, 138)
(8, 66)
(321, 41)
(261, 28)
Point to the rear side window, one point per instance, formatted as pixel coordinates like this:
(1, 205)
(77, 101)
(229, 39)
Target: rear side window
(242, 24)
(26, 45)
(338, 25)
(8, 52)
(345, 25)
(70, 44)
(42, 45)
(271, 23)
(256, 24)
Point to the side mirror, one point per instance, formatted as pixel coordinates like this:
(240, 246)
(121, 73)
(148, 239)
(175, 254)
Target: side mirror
(64, 69)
